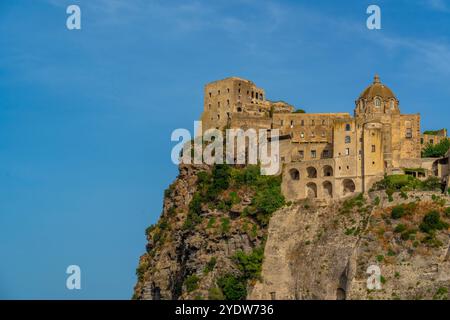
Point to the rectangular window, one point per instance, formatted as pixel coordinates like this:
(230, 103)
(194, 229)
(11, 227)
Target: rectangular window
(373, 148)
(313, 154)
(348, 139)
(301, 154)
(347, 151)
(303, 123)
(409, 133)
(326, 153)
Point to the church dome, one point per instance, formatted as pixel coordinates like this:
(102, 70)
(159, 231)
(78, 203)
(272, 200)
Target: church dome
(377, 89)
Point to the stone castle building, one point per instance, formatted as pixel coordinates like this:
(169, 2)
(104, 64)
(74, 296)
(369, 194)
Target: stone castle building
(323, 155)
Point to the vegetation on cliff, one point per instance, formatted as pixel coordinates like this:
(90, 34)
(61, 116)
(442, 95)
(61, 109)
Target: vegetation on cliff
(227, 203)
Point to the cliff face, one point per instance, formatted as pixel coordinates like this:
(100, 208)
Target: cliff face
(186, 255)
(324, 251)
(224, 248)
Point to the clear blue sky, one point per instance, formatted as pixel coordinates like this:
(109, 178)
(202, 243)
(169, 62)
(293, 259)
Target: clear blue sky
(86, 116)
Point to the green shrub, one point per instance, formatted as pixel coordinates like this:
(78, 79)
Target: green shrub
(142, 269)
(211, 222)
(250, 264)
(234, 198)
(194, 214)
(431, 222)
(225, 225)
(403, 195)
(447, 212)
(431, 184)
(436, 151)
(232, 287)
(431, 240)
(377, 201)
(438, 200)
(403, 183)
(210, 265)
(397, 212)
(247, 176)
(400, 228)
(163, 225)
(380, 258)
(215, 293)
(390, 194)
(191, 283)
(149, 230)
(408, 234)
(358, 201)
(441, 294)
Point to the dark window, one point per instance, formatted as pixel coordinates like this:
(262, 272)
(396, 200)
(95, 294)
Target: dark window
(409, 133)
(373, 148)
(348, 127)
(313, 154)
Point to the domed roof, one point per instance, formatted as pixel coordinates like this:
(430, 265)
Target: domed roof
(377, 89)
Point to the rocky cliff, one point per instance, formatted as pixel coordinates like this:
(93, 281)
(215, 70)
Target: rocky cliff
(226, 233)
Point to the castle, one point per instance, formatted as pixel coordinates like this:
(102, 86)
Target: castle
(327, 155)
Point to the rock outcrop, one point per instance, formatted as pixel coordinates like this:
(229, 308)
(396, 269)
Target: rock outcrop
(312, 249)
(324, 251)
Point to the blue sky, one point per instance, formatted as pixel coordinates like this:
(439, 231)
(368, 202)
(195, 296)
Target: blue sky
(86, 116)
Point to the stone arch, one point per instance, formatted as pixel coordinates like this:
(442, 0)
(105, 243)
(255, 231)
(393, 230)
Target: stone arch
(327, 189)
(312, 172)
(311, 190)
(295, 174)
(340, 294)
(327, 171)
(348, 186)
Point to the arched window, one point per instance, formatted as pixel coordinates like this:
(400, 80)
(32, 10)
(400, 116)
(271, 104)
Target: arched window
(377, 102)
(392, 104)
(311, 190)
(295, 174)
(348, 186)
(328, 189)
(327, 171)
(312, 172)
(348, 139)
